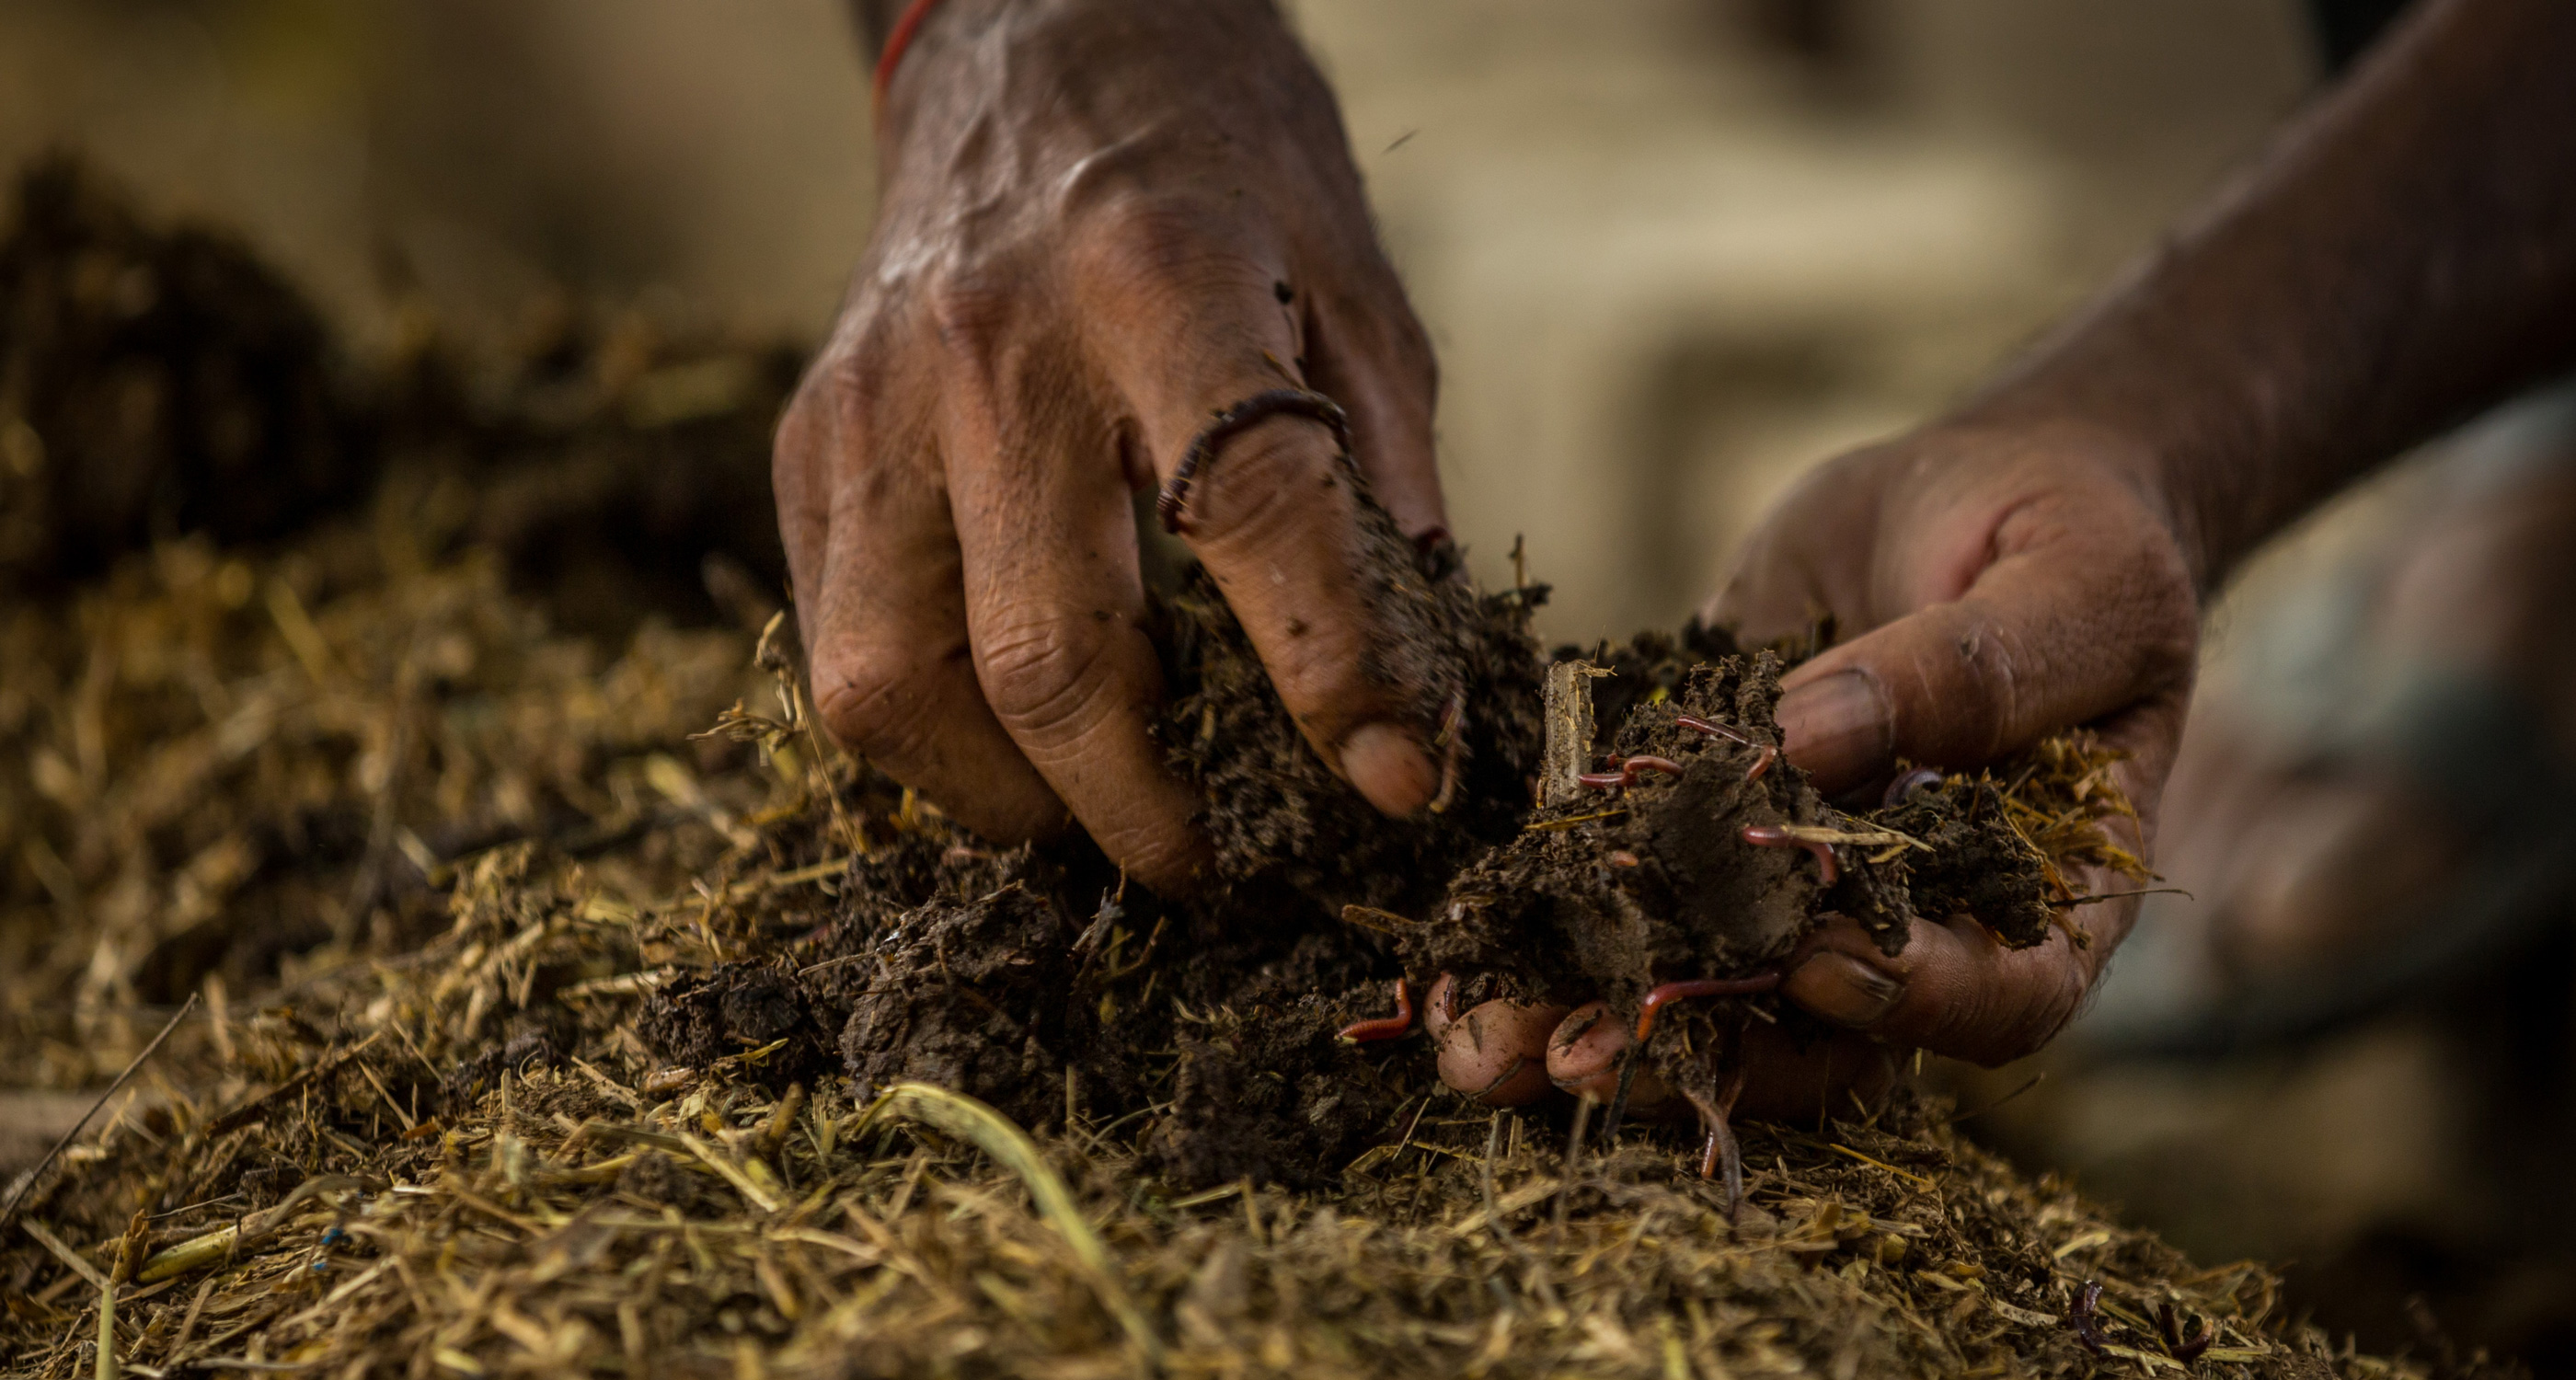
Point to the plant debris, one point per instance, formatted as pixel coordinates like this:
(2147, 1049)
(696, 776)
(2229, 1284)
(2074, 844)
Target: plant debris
(549, 1031)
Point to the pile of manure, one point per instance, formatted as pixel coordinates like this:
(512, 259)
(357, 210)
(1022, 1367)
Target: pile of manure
(547, 996)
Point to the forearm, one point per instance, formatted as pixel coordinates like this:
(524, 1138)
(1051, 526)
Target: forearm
(2404, 255)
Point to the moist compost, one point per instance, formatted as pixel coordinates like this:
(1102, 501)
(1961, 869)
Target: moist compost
(1016, 974)
(539, 1023)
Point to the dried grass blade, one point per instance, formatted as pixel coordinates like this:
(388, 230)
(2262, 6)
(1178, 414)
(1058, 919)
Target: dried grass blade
(10, 1209)
(106, 1331)
(62, 1251)
(993, 1133)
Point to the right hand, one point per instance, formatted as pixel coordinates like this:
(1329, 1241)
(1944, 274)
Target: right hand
(1100, 222)
(1994, 583)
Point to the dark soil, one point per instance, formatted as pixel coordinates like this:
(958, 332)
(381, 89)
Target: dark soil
(1030, 976)
(153, 383)
(158, 382)
(1277, 815)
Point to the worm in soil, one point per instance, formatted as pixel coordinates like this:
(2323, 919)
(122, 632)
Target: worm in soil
(1389, 1028)
(1773, 836)
(1626, 775)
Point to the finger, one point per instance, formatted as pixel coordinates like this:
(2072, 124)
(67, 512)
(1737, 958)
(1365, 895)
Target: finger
(1804, 1079)
(1272, 513)
(1054, 602)
(880, 606)
(1440, 1006)
(1587, 1054)
(2079, 614)
(1953, 989)
(1497, 1052)
(1373, 358)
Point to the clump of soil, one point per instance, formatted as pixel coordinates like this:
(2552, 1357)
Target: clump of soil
(1697, 858)
(1276, 813)
(1023, 976)
(1700, 852)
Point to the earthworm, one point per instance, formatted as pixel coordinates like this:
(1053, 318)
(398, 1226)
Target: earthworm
(1760, 765)
(1698, 987)
(1390, 1028)
(2182, 1348)
(2084, 1316)
(1713, 730)
(1626, 775)
(1908, 784)
(1720, 1154)
(1621, 857)
(1773, 836)
(1260, 407)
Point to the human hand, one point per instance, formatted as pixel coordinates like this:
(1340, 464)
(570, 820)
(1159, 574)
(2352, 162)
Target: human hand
(1996, 583)
(1101, 222)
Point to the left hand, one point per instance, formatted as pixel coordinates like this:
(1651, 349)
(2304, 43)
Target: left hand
(2005, 582)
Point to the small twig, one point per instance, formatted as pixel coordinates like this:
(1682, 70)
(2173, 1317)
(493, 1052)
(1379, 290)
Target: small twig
(9, 1212)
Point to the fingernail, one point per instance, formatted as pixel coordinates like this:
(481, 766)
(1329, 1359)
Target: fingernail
(1390, 768)
(1839, 729)
(1844, 990)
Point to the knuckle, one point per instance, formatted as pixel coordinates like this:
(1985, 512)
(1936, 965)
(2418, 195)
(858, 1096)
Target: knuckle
(835, 401)
(968, 308)
(1164, 241)
(1042, 677)
(1262, 492)
(868, 702)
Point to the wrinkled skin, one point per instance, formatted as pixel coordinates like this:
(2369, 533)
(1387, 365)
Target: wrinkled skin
(1101, 222)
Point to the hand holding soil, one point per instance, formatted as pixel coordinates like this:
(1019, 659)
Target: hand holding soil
(1102, 228)
(1994, 588)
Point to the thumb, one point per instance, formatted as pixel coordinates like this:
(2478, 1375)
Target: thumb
(2078, 615)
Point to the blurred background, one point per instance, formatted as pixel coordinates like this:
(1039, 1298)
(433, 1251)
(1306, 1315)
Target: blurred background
(1670, 251)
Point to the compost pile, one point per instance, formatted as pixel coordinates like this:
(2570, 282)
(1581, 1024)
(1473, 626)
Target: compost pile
(565, 1003)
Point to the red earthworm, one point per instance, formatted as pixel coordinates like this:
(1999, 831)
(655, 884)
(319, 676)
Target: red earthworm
(2182, 1348)
(1626, 775)
(1713, 730)
(2085, 1318)
(1698, 987)
(1391, 1028)
(1908, 784)
(1773, 836)
(1762, 763)
(1621, 857)
(1721, 1154)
